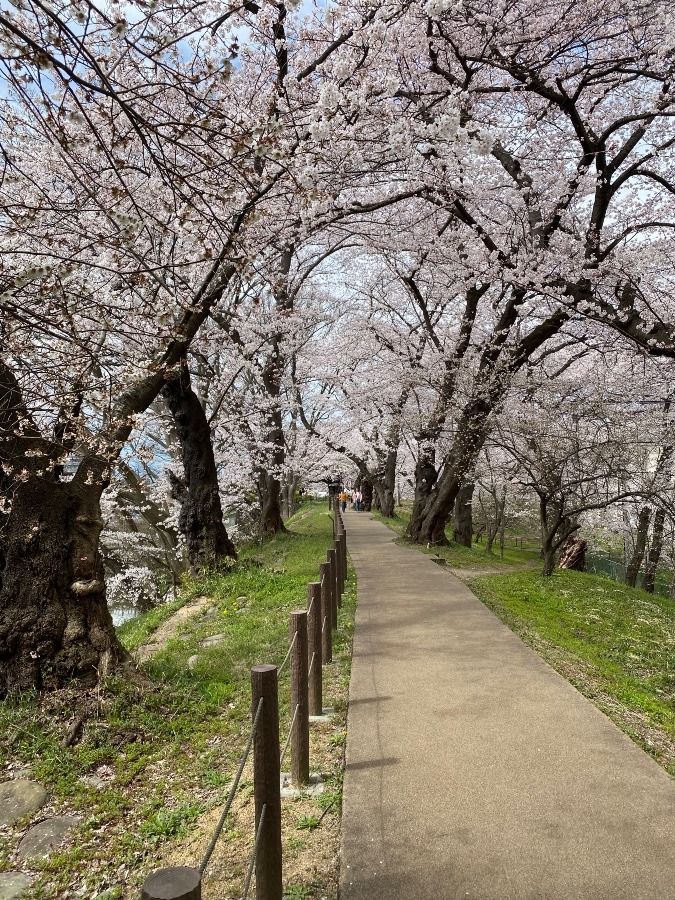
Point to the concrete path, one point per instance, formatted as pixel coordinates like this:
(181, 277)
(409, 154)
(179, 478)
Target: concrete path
(475, 770)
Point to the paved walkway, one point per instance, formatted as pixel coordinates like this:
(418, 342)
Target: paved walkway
(475, 770)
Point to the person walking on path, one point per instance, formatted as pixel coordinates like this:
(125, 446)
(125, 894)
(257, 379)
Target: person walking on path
(343, 499)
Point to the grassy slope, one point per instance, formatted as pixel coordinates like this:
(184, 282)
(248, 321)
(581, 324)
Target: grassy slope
(614, 643)
(167, 753)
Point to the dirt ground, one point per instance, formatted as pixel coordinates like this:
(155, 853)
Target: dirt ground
(310, 831)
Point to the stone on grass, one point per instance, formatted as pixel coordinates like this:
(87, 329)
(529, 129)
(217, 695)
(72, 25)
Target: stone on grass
(13, 885)
(289, 790)
(20, 798)
(41, 839)
(213, 641)
(93, 781)
(192, 662)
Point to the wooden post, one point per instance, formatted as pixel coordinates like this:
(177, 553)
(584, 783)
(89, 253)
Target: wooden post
(299, 699)
(315, 652)
(176, 883)
(343, 538)
(335, 584)
(342, 555)
(337, 545)
(326, 614)
(266, 782)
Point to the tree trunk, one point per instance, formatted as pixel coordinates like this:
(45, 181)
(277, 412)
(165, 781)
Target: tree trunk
(269, 484)
(633, 568)
(430, 513)
(548, 532)
(387, 486)
(654, 551)
(492, 529)
(491, 535)
(425, 479)
(201, 516)
(435, 499)
(549, 559)
(269, 490)
(367, 493)
(54, 621)
(289, 487)
(463, 532)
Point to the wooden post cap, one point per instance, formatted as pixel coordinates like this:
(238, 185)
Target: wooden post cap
(176, 883)
(263, 668)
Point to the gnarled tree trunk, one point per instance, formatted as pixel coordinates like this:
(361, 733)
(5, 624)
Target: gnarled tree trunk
(435, 497)
(426, 476)
(54, 621)
(201, 516)
(269, 483)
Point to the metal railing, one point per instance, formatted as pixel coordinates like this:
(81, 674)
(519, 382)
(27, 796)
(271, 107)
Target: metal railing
(309, 648)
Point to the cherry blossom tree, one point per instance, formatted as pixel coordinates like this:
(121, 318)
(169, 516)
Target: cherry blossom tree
(127, 213)
(563, 107)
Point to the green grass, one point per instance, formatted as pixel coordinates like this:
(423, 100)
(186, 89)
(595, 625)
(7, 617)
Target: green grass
(137, 631)
(166, 752)
(614, 643)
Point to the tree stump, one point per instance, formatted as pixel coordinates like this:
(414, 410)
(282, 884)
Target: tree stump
(573, 555)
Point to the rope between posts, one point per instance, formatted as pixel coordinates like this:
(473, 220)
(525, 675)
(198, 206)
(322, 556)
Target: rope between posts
(311, 664)
(249, 874)
(288, 655)
(290, 735)
(233, 790)
(323, 627)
